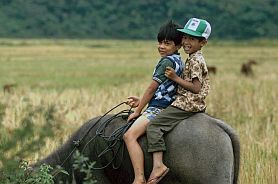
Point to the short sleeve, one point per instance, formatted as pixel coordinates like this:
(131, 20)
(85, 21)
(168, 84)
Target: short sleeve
(196, 70)
(159, 73)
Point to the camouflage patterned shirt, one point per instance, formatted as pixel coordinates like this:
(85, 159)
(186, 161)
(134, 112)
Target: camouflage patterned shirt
(195, 66)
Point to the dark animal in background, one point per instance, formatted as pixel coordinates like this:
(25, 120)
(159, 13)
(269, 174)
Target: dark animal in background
(246, 68)
(201, 149)
(8, 88)
(212, 69)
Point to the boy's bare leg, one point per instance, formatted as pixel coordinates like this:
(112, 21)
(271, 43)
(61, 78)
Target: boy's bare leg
(134, 149)
(158, 166)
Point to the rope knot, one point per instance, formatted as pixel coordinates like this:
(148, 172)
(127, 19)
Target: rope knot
(76, 143)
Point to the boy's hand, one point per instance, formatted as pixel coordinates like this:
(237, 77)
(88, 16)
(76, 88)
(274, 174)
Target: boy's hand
(170, 73)
(133, 101)
(133, 116)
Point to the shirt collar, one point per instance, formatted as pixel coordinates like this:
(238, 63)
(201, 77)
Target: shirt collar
(198, 52)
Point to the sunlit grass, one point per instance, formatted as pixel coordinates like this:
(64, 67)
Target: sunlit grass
(82, 79)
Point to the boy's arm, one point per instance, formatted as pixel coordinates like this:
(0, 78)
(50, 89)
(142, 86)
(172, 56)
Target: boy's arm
(159, 74)
(149, 93)
(194, 86)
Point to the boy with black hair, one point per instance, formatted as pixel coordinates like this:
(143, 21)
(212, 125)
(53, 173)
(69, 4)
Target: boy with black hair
(193, 88)
(159, 94)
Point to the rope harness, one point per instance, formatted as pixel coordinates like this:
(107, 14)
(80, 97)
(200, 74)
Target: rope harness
(116, 137)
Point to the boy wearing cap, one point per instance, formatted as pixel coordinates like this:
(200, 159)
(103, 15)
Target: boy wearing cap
(192, 91)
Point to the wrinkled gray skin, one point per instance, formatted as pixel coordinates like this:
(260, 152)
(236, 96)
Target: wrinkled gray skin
(200, 150)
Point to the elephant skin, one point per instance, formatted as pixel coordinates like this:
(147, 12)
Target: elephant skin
(200, 150)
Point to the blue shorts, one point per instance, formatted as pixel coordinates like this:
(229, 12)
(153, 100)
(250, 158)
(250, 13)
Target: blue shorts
(151, 112)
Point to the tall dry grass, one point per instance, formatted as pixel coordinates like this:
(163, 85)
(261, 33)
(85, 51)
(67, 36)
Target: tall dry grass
(248, 104)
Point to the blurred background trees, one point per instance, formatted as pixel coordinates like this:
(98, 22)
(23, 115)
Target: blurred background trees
(125, 19)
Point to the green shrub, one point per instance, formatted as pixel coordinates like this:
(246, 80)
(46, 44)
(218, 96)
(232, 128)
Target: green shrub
(25, 175)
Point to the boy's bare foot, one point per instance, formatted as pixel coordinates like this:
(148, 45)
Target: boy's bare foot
(157, 174)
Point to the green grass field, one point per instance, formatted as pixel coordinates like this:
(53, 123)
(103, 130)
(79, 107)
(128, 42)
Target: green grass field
(59, 84)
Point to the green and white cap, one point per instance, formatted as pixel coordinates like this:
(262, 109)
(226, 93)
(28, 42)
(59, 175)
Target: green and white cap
(197, 27)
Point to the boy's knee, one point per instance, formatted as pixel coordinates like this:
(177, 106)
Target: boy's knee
(128, 136)
(125, 136)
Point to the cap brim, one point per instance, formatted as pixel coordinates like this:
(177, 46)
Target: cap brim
(189, 32)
